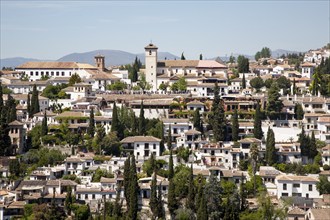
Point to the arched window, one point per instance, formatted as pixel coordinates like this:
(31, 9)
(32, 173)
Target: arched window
(149, 52)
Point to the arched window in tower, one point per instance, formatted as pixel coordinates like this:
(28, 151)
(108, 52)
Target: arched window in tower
(149, 52)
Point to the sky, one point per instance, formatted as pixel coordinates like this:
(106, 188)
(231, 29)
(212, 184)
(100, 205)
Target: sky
(52, 29)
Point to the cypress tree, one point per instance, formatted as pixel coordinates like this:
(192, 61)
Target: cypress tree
(294, 88)
(191, 191)
(169, 138)
(243, 81)
(68, 200)
(142, 123)
(242, 194)
(202, 209)
(198, 198)
(44, 127)
(35, 108)
(126, 181)
(304, 143)
(298, 112)
(197, 120)
(170, 167)
(153, 196)
(275, 104)
(270, 148)
(172, 202)
(115, 121)
(133, 191)
(11, 109)
(218, 116)
(160, 207)
(200, 56)
(91, 126)
(235, 126)
(28, 105)
(312, 147)
(182, 57)
(1, 96)
(5, 141)
(118, 206)
(257, 123)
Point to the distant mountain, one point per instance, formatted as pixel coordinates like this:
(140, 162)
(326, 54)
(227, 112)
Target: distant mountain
(279, 52)
(117, 57)
(112, 57)
(15, 61)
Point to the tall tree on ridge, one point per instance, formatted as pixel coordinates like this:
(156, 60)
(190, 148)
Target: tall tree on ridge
(257, 131)
(235, 126)
(91, 126)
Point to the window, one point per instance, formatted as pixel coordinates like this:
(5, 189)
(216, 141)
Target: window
(31, 73)
(57, 73)
(149, 52)
(310, 187)
(86, 196)
(93, 196)
(296, 185)
(154, 146)
(62, 73)
(285, 194)
(284, 186)
(37, 74)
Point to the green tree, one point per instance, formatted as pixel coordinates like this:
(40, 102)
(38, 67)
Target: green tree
(257, 83)
(160, 204)
(180, 85)
(243, 81)
(298, 111)
(274, 104)
(268, 83)
(304, 143)
(235, 126)
(243, 194)
(5, 141)
(75, 78)
(254, 157)
(217, 116)
(143, 84)
(14, 168)
(35, 108)
(172, 202)
(142, 121)
(169, 138)
(257, 131)
(153, 196)
(270, 147)
(170, 167)
(11, 109)
(243, 64)
(117, 86)
(316, 83)
(323, 186)
(294, 87)
(197, 120)
(163, 86)
(44, 127)
(191, 191)
(68, 201)
(126, 180)
(284, 83)
(91, 126)
(182, 57)
(133, 190)
(202, 212)
(213, 199)
(200, 56)
(312, 147)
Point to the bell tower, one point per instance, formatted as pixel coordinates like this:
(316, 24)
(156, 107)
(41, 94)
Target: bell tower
(151, 65)
(99, 61)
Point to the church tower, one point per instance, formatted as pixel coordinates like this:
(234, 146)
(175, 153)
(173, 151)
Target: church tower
(151, 65)
(99, 61)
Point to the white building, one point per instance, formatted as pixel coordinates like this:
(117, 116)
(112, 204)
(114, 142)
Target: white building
(169, 71)
(142, 146)
(307, 69)
(302, 186)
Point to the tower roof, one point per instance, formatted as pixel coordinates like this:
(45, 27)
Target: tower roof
(151, 46)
